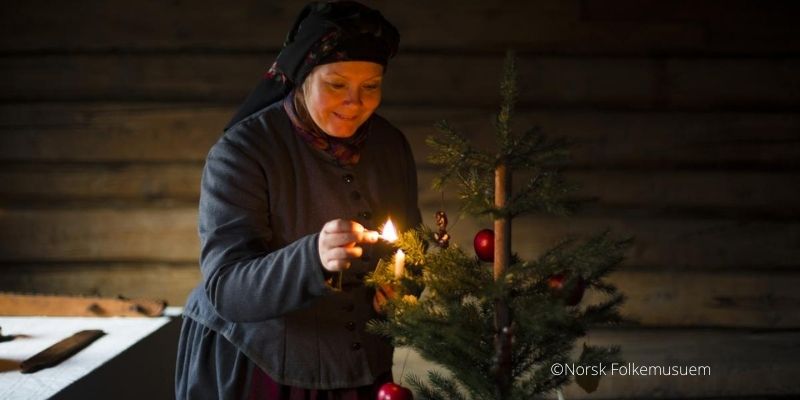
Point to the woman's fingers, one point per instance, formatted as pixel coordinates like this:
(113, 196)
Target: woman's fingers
(344, 231)
(337, 243)
(339, 239)
(335, 265)
(338, 258)
(342, 253)
(342, 226)
(370, 237)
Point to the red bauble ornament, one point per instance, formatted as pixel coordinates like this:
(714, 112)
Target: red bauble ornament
(393, 391)
(484, 245)
(572, 294)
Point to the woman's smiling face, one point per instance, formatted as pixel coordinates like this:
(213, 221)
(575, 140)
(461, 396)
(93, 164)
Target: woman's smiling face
(340, 96)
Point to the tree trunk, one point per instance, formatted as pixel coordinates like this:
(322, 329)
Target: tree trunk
(502, 256)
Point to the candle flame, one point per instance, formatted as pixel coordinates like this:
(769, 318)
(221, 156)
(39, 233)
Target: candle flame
(388, 232)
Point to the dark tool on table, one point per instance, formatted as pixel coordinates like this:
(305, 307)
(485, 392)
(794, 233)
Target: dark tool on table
(60, 351)
(5, 338)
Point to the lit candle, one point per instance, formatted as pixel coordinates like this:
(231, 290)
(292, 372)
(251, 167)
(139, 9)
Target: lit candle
(388, 232)
(399, 264)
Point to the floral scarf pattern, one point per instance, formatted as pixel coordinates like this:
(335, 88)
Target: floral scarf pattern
(343, 151)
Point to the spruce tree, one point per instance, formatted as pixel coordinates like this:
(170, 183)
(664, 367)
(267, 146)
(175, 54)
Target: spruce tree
(498, 330)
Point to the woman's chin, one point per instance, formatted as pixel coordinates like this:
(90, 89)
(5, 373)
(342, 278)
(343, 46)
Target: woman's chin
(341, 131)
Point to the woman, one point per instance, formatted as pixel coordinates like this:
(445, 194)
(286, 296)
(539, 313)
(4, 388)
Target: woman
(290, 196)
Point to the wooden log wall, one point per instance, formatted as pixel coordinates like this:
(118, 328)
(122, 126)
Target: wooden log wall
(684, 114)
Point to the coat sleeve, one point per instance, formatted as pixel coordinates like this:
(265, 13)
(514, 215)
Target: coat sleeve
(246, 280)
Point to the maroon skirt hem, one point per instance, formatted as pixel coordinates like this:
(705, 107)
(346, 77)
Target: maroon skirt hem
(262, 387)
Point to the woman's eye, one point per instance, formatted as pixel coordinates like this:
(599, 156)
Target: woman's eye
(372, 86)
(336, 85)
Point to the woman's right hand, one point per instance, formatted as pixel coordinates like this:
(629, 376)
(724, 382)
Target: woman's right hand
(338, 241)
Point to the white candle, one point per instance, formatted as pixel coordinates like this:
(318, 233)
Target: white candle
(399, 264)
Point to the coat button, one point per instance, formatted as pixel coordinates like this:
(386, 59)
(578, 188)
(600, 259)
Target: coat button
(350, 325)
(348, 178)
(355, 195)
(348, 307)
(355, 346)
(365, 215)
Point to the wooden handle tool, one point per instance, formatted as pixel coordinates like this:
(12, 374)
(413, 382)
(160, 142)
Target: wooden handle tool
(60, 351)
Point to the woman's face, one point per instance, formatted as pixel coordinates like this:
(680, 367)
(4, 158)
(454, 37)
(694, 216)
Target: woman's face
(340, 96)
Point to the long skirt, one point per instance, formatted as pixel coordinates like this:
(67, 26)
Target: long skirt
(201, 350)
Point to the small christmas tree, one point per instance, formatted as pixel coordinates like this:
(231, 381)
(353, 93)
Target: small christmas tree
(499, 330)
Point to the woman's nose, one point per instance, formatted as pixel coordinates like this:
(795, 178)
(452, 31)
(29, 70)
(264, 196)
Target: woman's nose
(353, 97)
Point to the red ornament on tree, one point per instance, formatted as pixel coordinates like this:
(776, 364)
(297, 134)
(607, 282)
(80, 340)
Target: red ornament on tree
(484, 245)
(572, 294)
(393, 391)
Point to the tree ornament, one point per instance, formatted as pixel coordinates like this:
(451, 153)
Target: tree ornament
(587, 382)
(571, 294)
(393, 391)
(442, 237)
(484, 245)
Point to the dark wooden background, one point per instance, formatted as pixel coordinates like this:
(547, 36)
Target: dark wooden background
(685, 116)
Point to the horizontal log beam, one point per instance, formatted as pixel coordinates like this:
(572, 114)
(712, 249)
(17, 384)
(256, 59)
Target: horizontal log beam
(170, 234)
(667, 242)
(170, 132)
(422, 79)
(569, 27)
(656, 298)
(162, 281)
(701, 194)
(59, 185)
(100, 234)
(634, 194)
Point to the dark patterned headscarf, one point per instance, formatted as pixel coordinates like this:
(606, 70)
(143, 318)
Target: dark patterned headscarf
(324, 32)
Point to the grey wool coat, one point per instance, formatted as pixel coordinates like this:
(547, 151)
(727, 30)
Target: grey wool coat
(264, 300)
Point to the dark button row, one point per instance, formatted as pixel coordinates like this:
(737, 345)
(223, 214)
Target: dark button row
(355, 346)
(355, 195)
(350, 325)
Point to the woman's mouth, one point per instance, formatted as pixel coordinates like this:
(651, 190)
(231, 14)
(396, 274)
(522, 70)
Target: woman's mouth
(346, 118)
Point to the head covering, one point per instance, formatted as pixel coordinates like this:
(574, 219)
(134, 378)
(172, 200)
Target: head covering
(324, 32)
